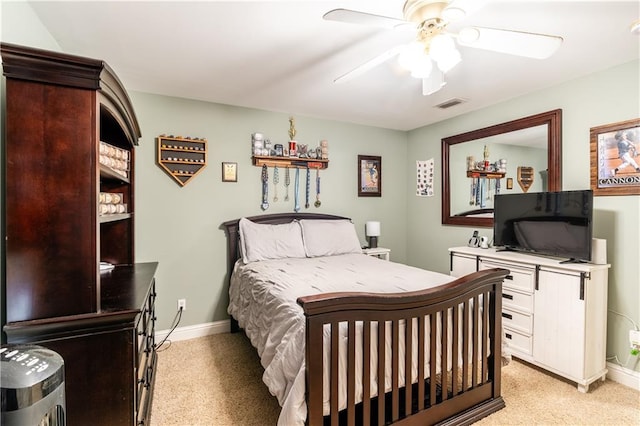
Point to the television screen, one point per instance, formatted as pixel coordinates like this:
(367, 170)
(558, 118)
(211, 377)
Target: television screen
(549, 223)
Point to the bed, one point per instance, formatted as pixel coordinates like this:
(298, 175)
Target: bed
(314, 309)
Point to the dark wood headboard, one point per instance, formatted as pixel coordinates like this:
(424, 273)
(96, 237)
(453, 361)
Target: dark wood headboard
(232, 229)
(233, 234)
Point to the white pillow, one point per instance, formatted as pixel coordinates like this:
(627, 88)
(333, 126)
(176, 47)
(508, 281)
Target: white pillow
(262, 242)
(329, 237)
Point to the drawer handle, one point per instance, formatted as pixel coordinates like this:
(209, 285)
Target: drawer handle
(507, 296)
(507, 335)
(509, 277)
(507, 316)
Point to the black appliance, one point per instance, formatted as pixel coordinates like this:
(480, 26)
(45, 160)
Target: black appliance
(557, 224)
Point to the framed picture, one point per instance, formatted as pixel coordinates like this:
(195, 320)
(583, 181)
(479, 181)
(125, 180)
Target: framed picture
(229, 172)
(509, 183)
(369, 176)
(615, 158)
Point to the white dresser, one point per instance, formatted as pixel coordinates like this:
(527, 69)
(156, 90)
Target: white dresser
(554, 315)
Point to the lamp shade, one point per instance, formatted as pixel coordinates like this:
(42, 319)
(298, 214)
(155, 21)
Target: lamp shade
(372, 229)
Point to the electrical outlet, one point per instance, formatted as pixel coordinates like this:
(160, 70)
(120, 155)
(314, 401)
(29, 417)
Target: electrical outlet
(634, 339)
(182, 304)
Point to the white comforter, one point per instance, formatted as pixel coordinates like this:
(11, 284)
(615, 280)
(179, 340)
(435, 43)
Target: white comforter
(263, 299)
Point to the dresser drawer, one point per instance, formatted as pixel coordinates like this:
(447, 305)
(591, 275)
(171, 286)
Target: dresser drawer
(518, 342)
(517, 321)
(518, 278)
(517, 300)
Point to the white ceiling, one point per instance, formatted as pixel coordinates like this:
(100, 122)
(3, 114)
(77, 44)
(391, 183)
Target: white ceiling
(282, 56)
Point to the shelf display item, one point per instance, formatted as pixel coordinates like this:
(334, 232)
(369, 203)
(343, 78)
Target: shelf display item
(117, 159)
(182, 158)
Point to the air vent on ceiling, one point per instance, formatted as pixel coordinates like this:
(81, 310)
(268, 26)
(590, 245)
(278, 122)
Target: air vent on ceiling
(450, 103)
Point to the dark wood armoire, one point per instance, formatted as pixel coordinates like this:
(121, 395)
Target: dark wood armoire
(69, 143)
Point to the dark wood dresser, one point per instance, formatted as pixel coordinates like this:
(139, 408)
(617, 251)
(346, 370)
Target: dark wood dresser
(69, 168)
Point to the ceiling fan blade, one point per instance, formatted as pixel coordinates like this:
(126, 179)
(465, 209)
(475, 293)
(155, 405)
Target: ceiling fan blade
(363, 18)
(433, 83)
(372, 63)
(530, 45)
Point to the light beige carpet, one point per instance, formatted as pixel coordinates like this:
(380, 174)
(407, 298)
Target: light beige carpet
(216, 381)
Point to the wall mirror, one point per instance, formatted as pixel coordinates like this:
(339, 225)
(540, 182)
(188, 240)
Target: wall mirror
(533, 144)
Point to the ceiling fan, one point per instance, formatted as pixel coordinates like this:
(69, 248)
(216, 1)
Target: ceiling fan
(435, 44)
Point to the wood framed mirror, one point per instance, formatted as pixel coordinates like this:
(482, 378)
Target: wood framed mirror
(526, 140)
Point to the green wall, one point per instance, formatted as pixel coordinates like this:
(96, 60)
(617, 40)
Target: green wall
(180, 227)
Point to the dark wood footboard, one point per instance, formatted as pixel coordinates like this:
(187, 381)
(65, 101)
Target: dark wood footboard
(465, 390)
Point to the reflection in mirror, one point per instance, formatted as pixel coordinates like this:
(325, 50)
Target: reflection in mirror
(478, 164)
(520, 148)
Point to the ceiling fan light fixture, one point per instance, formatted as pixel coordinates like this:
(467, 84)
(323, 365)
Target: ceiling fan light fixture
(422, 69)
(635, 27)
(411, 55)
(449, 61)
(443, 50)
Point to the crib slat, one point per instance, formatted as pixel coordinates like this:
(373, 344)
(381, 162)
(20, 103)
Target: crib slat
(455, 371)
(333, 400)
(476, 330)
(421, 360)
(465, 346)
(445, 353)
(366, 372)
(432, 359)
(314, 383)
(351, 382)
(408, 357)
(485, 336)
(381, 363)
(395, 359)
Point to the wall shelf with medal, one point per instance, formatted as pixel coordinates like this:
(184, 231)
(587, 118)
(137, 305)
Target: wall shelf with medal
(485, 179)
(279, 161)
(182, 157)
(294, 154)
(289, 160)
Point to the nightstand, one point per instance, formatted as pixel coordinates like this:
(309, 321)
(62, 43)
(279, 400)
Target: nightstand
(379, 252)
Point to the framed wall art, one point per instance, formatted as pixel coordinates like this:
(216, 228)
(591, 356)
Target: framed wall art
(229, 172)
(369, 176)
(615, 158)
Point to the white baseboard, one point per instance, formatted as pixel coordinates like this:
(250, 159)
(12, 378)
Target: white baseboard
(624, 376)
(194, 331)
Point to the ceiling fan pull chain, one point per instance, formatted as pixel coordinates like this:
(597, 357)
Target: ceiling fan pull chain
(265, 188)
(296, 184)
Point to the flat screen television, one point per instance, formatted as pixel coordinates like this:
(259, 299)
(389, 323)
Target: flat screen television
(558, 224)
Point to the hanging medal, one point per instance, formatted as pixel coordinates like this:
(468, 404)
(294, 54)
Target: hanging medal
(287, 181)
(307, 190)
(276, 180)
(296, 185)
(317, 203)
(265, 188)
